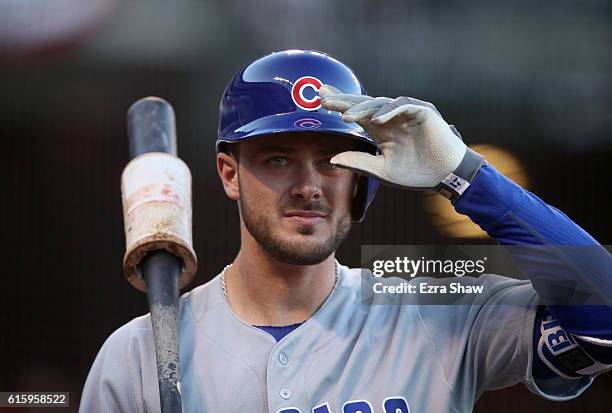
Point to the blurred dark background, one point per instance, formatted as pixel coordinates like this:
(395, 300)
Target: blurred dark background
(530, 79)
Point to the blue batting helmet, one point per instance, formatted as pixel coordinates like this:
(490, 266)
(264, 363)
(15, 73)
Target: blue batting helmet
(278, 93)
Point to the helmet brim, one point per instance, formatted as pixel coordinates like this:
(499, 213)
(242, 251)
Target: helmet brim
(298, 122)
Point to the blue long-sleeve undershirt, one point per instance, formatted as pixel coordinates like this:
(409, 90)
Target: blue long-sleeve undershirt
(564, 263)
(549, 247)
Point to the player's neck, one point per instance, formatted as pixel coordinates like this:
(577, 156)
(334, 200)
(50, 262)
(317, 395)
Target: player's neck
(264, 291)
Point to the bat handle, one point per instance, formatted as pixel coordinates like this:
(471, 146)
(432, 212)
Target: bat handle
(161, 272)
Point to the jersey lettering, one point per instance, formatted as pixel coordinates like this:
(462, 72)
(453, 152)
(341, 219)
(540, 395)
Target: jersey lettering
(395, 404)
(322, 408)
(357, 406)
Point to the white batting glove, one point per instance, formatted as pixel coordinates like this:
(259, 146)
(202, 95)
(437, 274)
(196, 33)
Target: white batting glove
(419, 150)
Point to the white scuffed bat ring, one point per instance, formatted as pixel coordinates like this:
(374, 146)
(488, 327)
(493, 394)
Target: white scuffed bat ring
(156, 196)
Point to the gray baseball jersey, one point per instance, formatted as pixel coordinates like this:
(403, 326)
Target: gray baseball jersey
(358, 353)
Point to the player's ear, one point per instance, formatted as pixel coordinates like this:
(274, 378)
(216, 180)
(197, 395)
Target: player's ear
(227, 168)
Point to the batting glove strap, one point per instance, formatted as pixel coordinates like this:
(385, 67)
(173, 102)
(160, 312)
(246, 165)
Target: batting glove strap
(458, 181)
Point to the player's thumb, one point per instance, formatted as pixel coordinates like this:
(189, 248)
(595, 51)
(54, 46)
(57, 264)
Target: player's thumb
(361, 162)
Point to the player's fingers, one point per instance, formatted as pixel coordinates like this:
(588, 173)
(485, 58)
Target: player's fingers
(365, 109)
(423, 103)
(328, 90)
(395, 109)
(360, 162)
(332, 99)
(403, 105)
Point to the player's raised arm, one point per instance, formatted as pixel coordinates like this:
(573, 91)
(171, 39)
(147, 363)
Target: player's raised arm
(419, 150)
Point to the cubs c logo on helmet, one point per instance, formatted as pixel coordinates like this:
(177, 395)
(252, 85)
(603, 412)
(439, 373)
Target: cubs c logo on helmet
(297, 93)
(307, 123)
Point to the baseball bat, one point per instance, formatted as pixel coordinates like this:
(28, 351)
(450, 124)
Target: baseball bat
(159, 258)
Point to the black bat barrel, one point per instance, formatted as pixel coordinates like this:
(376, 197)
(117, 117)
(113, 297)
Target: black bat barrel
(151, 128)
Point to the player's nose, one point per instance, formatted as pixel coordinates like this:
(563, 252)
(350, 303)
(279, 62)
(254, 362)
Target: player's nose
(307, 184)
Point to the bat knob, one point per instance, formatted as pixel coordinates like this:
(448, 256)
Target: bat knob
(151, 127)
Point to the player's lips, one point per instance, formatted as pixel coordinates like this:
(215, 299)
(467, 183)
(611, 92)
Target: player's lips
(305, 217)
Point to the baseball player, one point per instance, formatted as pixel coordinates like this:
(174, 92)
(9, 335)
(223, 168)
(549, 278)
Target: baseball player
(285, 328)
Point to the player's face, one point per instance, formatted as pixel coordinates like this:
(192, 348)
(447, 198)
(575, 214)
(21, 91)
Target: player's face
(293, 202)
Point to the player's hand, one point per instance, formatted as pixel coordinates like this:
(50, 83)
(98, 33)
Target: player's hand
(418, 148)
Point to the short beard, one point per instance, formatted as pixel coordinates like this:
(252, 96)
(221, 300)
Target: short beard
(286, 252)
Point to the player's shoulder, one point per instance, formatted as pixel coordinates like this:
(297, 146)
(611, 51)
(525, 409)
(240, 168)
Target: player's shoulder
(201, 299)
(350, 278)
(467, 290)
(128, 336)
(191, 305)
(448, 303)
(362, 285)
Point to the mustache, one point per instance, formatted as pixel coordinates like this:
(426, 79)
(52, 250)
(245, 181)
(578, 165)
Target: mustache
(315, 206)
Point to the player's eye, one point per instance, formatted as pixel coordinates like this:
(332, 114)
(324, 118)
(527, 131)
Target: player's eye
(278, 161)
